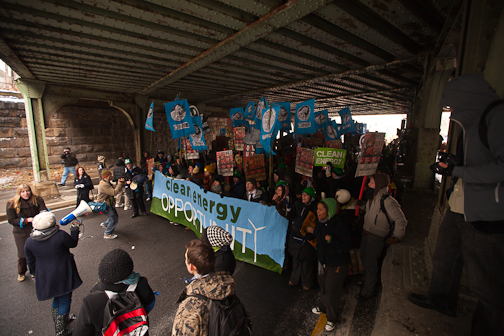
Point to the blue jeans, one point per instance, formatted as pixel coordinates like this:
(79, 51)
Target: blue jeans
(148, 188)
(62, 303)
(66, 171)
(112, 220)
(460, 244)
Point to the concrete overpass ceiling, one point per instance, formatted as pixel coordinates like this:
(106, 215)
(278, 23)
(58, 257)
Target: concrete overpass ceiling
(366, 54)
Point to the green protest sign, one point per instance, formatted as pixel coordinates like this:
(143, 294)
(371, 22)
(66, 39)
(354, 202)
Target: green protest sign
(335, 156)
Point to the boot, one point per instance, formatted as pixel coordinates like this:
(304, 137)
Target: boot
(61, 321)
(54, 313)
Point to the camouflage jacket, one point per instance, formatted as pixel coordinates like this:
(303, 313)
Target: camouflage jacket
(192, 315)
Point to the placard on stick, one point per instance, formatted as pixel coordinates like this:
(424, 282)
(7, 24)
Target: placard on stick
(304, 161)
(370, 154)
(239, 135)
(255, 167)
(225, 163)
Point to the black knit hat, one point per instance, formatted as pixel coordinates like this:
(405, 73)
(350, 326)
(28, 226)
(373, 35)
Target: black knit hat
(115, 266)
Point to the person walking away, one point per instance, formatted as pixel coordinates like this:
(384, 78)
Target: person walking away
(20, 211)
(120, 172)
(376, 229)
(192, 317)
(333, 251)
(115, 273)
(83, 184)
(50, 261)
(69, 162)
(105, 194)
(134, 175)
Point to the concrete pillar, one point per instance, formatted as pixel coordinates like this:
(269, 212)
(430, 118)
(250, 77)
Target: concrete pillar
(32, 91)
(428, 122)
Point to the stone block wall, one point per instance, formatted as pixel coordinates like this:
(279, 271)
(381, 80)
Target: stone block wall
(14, 144)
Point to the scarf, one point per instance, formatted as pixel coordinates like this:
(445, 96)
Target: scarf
(44, 234)
(131, 279)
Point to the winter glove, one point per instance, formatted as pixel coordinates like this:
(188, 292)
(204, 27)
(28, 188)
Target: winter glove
(392, 240)
(436, 168)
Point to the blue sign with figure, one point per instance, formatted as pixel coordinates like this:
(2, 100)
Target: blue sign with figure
(284, 116)
(261, 106)
(269, 128)
(236, 113)
(305, 118)
(150, 117)
(197, 138)
(179, 118)
(249, 111)
(347, 123)
(331, 131)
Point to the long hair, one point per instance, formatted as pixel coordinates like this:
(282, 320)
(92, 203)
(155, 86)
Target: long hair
(16, 200)
(83, 170)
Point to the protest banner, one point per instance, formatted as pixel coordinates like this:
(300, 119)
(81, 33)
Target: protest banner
(334, 144)
(225, 163)
(239, 136)
(259, 231)
(248, 150)
(336, 156)
(190, 153)
(370, 154)
(179, 118)
(304, 161)
(255, 167)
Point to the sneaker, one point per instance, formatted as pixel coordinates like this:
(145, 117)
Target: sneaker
(21, 277)
(147, 199)
(110, 236)
(120, 205)
(127, 208)
(103, 225)
(316, 310)
(329, 326)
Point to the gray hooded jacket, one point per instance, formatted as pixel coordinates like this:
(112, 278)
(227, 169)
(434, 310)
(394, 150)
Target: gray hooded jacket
(483, 170)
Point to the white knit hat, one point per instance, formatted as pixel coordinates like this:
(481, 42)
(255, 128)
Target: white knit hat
(44, 220)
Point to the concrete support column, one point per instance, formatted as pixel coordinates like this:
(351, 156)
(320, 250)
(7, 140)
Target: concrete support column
(428, 122)
(32, 91)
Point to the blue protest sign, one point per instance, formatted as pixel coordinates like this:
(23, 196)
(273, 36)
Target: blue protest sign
(347, 123)
(305, 118)
(322, 120)
(249, 111)
(259, 231)
(284, 116)
(197, 138)
(331, 131)
(150, 117)
(179, 118)
(236, 113)
(269, 127)
(261, 106)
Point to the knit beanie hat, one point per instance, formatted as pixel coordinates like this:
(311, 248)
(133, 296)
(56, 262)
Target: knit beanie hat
(195, 170)
(331, 207)
(309, 191)
(105, 172)
(252, 180)
(44, 220)
(338, 171)
(281, 182)
(237, 173)
(210, 169)
(115, 266)
(217, 236)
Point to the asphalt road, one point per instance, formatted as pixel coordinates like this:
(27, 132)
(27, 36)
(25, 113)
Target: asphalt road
(157, 249)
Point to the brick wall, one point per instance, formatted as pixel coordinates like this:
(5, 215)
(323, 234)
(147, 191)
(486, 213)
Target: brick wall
(14, 144)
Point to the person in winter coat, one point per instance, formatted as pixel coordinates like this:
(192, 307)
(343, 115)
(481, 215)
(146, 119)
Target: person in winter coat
(238, 187)
(333, 251)
(120, 172)
(83, 184)
(69, 162)
(253, 194)
(50, 261)
(20, 211)
(376, 228)
(471, 234)
(193, 315)
(145, 170)
(100, 165)
(105, 194)
(300, 246)
(115, 274)
(220, 240)
(134, 174)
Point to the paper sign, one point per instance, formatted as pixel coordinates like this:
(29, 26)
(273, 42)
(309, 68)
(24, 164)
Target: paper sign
(304, 161)
(254, 167)
(239, 135)
(225, 163)
(370, 154)
(335, 156)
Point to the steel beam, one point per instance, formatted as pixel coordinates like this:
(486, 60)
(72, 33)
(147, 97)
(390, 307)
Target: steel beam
(279, 17)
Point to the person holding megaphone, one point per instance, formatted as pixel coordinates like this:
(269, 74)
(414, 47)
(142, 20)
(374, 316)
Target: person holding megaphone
(106, 193)
(50, 261)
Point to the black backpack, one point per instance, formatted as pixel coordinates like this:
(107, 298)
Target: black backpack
(228, 317)
(384, 210)
(124, 314)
